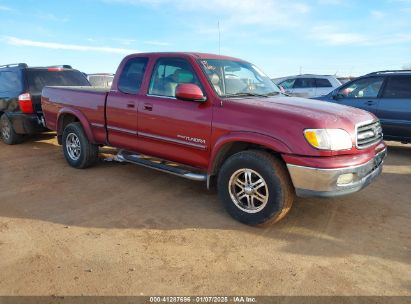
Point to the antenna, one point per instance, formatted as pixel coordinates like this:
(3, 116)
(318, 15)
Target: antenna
(219, 38)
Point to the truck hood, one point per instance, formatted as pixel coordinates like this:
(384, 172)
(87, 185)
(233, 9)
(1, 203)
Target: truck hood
(316, 113)
(286, 118)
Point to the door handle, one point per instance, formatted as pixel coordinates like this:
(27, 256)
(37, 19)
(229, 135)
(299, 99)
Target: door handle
(130, 105)
(148, 107)
(370, 102)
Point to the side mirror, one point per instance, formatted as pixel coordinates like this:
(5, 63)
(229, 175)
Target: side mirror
(190, 92)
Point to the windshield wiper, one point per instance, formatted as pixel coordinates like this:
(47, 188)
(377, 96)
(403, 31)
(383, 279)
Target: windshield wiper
(245, 94)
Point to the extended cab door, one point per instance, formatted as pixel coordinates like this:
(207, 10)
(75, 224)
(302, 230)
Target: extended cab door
(363, 93)
(174, 129)
(395, 108)
(122, 105)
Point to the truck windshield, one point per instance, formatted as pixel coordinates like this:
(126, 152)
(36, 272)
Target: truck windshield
(237, 78)
(38, 78)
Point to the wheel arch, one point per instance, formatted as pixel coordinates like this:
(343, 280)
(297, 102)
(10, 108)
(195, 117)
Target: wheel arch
(67, 116)
(240, 141)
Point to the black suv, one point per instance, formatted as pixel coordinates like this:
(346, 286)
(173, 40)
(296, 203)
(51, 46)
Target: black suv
(387, 94)
(20, 96)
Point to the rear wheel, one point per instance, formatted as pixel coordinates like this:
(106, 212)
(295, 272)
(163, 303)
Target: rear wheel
(7, 133)
(78, 151)
(255, 188)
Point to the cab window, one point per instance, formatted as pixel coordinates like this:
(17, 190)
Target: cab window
(168, 74)
(288, 84)
(362, 88)
(323, 83)
(132, 75)
(304, 83)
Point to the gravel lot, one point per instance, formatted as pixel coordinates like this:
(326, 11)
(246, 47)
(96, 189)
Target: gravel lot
(120, 229)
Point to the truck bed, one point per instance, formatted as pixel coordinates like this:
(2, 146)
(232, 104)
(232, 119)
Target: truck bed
(87, 102)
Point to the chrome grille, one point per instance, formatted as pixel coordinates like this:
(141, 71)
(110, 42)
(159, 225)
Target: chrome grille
(368, 134)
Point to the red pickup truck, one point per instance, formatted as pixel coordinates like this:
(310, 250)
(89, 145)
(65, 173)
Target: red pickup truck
(221, 120)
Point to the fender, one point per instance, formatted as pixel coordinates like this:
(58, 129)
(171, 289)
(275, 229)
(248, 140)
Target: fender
(81, 117)
(248, 137)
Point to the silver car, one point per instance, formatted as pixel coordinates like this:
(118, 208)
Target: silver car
(308, 85)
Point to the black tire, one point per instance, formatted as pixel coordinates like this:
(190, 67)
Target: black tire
(277, 188)
(7, 133)
(86, 154)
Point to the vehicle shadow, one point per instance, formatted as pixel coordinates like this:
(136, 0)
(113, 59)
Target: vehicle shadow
(123, 196)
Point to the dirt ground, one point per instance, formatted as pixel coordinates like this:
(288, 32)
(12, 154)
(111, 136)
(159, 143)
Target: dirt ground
(120, 229)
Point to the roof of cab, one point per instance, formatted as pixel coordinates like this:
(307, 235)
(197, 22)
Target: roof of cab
(191, 54)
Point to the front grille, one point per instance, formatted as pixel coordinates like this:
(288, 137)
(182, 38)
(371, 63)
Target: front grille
(368, 134)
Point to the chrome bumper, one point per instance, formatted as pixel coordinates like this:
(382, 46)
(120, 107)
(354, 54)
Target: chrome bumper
(325, 182)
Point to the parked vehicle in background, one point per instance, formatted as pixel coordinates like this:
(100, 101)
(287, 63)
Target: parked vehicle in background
(222, 120)
(387, 94)
(20, 96)
(344, 80)
(104, 80)
(308, 85)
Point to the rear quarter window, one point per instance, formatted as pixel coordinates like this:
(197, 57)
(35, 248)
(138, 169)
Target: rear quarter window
(323, 83)
(398, 87)
(132, 75)
(10, 83)
(38, 79)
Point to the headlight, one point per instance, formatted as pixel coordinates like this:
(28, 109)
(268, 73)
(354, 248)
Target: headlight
(329, 139)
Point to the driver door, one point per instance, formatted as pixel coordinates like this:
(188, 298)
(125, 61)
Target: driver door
(363, 93)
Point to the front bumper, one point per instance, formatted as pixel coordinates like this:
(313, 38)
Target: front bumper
(317, 182)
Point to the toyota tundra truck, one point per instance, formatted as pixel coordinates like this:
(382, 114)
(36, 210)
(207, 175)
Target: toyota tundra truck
(222, 121)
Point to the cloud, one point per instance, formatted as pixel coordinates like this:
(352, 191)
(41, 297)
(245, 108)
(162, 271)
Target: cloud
(238, 12)
(156, 43)
(61, 46)
(330, 36)
(124, 41)
(52, 17)
(5, 8)
(330, 2)
(377, 14)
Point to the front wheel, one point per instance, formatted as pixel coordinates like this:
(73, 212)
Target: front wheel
(255, 188)
(78, 151)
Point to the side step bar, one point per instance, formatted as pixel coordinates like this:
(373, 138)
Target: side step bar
(161, 165)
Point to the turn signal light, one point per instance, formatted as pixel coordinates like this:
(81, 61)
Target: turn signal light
(25, 103)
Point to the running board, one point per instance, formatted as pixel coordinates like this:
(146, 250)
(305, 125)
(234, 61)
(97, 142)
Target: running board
(162, 165)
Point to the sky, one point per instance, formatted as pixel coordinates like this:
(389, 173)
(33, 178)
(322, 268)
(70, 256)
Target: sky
(344, 37)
